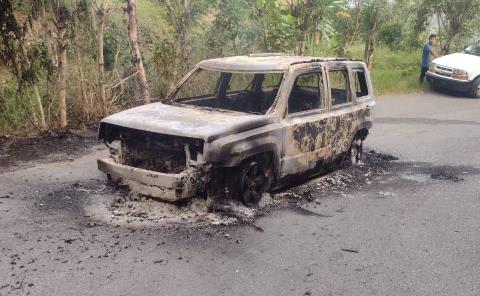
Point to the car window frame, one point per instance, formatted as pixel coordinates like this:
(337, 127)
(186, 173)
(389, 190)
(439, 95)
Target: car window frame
(352, 69)
(350, 96)
(273, 109)
(321, 87)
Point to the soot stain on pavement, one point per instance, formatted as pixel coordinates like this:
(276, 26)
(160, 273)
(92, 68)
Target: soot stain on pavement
(52, 146)
(99, 203)
(73, 198)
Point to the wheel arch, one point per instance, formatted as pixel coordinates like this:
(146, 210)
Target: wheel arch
(267, 153)
(233, 153)
(472, 90)
(362, 131)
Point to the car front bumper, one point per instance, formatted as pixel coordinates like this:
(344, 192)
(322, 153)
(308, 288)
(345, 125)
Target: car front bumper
(448, 83)
(168, 187)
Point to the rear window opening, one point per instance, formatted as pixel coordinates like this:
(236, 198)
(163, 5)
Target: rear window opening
(242, 92)
(360, 82)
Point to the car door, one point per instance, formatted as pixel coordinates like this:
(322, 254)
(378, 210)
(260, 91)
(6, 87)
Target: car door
(305, 122)
(341, 122)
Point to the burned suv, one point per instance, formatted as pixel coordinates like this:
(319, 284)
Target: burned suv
(241, 126)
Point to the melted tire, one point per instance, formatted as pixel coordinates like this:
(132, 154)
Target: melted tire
(249, 182)
(355, 152)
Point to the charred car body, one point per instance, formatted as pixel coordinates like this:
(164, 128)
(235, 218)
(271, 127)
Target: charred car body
(240, 126)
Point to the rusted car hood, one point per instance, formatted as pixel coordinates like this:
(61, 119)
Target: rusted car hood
(207, 125)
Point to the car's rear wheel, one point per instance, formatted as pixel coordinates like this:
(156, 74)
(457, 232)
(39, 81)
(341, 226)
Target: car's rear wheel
(475, 88)
(356, 151)
(250, 182)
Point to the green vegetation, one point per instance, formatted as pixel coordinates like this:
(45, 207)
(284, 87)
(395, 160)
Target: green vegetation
(72, 62)
(393, 72)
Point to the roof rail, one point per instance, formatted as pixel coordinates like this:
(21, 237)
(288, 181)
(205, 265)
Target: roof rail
(267, 54)
(319, 60)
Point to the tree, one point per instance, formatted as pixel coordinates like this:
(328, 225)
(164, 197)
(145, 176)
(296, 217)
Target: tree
(182, 16)
(454, 17)
(226, 27)
(349, 20)
(277, 26)
(373, 17)
(25, 64)
(61, 19)
(311, 17)
(135, 49)
(80, 19)
(99, 17)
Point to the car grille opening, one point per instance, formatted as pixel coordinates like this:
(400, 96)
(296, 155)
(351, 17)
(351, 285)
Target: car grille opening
(157, 152)
(443, 71)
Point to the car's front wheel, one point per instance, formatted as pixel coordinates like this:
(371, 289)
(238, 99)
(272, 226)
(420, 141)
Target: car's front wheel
(475, 88)
(250, 182)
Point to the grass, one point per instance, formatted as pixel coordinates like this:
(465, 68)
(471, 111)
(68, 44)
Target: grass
(393, 72)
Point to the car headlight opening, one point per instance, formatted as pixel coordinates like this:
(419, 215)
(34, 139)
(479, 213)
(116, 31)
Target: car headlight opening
(460, 74)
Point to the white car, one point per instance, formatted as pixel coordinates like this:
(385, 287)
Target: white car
(458, 71)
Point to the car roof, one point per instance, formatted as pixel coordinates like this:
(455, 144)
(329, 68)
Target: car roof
(270, 62)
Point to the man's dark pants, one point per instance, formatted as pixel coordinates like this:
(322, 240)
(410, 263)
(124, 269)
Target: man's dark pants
(422, 74)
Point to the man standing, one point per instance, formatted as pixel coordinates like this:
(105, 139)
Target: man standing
(427, 54)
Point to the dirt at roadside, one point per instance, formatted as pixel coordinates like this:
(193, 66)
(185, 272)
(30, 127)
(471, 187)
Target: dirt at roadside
(54, 146)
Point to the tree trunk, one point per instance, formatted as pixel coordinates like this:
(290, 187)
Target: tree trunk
(77, 48)
(371, 38)
(301, 44)
(135, 49)
(440, 29)
(352, 34)
(181, 54)
(302, 37)
(62, 77)
(38, 99)
(101, 62)
(369, 50)
(183, 40)
(446, 47)
(83, 90)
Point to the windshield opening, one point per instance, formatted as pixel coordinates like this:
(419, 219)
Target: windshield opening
(474, 48)
(241, 92)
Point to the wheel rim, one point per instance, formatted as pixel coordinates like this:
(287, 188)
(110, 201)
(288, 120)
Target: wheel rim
(478, 91)
(252, 184)
(356, 151)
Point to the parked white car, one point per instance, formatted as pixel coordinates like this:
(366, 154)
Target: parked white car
(458, 71)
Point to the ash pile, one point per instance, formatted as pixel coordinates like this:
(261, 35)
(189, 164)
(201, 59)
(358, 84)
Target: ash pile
(121, 206)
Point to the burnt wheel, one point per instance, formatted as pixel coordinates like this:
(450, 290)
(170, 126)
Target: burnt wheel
(251, 183)
(356, 151)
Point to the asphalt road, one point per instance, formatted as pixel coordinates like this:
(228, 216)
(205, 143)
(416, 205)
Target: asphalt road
(406, 233)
